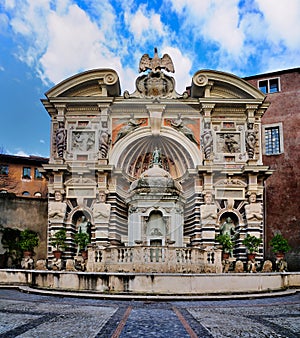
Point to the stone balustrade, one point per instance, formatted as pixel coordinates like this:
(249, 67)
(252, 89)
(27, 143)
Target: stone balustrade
(162, 259)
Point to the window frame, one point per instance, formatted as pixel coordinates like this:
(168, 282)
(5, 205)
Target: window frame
(280, 134)
(26, 176)
(4, 172)
(268, 85)
(39, 176)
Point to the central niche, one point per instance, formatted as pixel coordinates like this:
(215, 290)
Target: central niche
(174, 157)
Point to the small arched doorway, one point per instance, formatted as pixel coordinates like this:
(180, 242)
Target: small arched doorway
(156, 229)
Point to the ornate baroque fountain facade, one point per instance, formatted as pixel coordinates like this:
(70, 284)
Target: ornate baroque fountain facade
(155, 173)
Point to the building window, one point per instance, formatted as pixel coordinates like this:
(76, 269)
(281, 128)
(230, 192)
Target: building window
(38, 194)
(273, 139)
(26, 173)
(3, 169)
(37, 174)
(269, 86)
(25, 193)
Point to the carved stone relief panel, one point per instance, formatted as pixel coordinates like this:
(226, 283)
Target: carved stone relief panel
(82, 141)
(228, 142)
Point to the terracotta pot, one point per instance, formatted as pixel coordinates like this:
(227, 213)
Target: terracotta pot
(57, 254)
(225, 255)
(251, 256)
(279, 255)
(27, 254)
(84, 254)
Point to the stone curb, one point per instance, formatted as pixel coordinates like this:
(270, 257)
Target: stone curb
(149, 297)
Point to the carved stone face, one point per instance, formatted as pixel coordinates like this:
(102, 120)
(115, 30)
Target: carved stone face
(252, 198)
(57, 196)
(102, 197)
(208, 198)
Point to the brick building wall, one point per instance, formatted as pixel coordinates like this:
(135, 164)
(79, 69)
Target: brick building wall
(283, 187)
(20, 175)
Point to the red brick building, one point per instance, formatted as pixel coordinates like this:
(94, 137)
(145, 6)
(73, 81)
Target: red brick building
(20, 175)
(281, 143)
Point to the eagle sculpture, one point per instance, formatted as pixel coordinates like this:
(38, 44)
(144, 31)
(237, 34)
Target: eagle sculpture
(156, 63)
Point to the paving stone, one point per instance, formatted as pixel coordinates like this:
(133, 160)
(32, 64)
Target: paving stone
(32, 315)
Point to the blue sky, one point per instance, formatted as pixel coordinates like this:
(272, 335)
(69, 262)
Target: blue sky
(43, 42)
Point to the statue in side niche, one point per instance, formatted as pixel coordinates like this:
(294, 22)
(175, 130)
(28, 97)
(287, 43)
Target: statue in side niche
(84, 226)
(228, 228)
(253, 209)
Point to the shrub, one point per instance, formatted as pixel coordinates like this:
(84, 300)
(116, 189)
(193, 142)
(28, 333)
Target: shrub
(279, 244)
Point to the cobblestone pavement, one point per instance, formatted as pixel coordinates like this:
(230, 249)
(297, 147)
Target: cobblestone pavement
(29, 315)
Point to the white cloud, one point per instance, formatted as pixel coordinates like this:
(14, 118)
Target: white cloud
(3, 22)
(42, 141)
(182, 65)
(62, 39)
(260, 27)
(2, 69)
(58, 38)
(21, 153)
(282, 21)
(214, 20)
(144, 25)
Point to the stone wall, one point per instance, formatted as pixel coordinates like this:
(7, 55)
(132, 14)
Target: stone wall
(151, 284)
(25, 213)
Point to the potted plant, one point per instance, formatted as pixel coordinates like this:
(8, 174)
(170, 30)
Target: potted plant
(10, 240)
(58, 240)
(82, 239)
(28, 241)
(227, 244)
(252, 244)
(279, 245)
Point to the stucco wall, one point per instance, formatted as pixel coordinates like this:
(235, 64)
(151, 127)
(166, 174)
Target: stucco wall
(25, 213)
